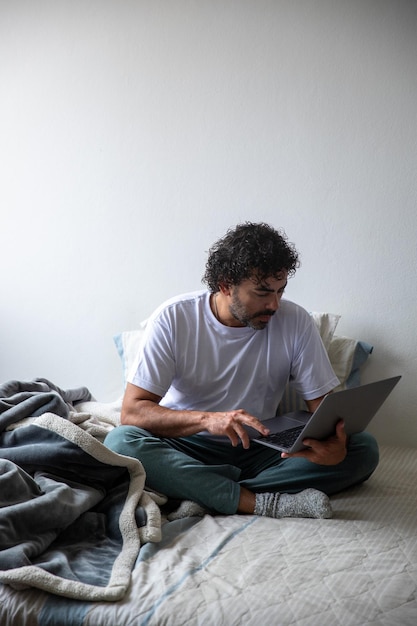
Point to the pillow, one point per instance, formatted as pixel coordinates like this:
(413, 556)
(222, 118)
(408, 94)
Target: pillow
(326, 324)
(128, 345)
(347, 356)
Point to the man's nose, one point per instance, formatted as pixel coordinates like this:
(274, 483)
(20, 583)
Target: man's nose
(274, 303)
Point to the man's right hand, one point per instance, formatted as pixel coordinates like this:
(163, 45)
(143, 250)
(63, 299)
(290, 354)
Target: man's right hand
(232, 424)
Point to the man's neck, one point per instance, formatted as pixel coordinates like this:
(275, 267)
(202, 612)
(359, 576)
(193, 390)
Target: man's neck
(220, 310)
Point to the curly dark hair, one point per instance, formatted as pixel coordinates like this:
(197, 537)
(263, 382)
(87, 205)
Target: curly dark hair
(246, 250)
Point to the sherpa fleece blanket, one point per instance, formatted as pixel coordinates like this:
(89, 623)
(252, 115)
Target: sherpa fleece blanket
(73, 514)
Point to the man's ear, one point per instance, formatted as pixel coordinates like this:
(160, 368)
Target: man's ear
(224, 289)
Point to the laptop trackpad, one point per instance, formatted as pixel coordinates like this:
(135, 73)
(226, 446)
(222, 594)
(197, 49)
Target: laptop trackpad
(287, 421)
(282, 422)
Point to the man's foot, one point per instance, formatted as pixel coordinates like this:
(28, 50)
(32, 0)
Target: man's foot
(307, 503)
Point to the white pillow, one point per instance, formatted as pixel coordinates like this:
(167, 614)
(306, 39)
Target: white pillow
(326, 324)
(128, 345)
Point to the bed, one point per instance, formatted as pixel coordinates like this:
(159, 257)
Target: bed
(94, 547)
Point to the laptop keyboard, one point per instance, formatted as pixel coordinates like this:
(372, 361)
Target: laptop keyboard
(285, 438)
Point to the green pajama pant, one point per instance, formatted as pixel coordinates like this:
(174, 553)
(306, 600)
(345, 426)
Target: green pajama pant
(211, 473)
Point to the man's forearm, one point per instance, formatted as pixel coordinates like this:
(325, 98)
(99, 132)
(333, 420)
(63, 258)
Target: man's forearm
(162, 421)
(141, 408)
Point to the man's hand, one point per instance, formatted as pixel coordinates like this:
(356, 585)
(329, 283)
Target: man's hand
(232, 424)
(331, 451)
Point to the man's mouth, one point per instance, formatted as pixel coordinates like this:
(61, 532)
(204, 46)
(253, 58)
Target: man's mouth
(266, 314)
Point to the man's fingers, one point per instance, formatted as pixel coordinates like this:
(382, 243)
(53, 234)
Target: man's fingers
(256, 424)
(340, 429)
(331, 451)
(243, 435)
(233, 424)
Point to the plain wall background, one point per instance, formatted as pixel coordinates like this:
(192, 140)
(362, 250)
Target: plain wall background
(134, 133)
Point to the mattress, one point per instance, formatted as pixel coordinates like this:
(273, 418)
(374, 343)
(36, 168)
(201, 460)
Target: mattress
(354, 569)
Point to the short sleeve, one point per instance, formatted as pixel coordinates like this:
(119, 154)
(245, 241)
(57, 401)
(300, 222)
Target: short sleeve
(156, 362)
(312, 375)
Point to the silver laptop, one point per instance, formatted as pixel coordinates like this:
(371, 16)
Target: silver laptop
(356, 406)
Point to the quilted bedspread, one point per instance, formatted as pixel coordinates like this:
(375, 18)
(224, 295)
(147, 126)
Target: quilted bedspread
(358, 568)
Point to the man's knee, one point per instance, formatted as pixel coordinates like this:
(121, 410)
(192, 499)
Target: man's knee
(363, 449)
(123, 439)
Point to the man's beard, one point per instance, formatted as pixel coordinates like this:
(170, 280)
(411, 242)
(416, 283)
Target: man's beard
(240, 314)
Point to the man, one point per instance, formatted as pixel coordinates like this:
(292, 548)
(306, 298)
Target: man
(216, 362)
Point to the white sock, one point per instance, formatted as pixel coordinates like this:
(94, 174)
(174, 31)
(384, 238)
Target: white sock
(307, 503)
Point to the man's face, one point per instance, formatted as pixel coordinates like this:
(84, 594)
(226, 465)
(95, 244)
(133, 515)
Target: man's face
(253, 302)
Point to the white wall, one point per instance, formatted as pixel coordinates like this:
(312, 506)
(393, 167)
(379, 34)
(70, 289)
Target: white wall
(133, 133)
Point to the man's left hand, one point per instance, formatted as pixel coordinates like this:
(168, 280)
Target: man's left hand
(331, 451)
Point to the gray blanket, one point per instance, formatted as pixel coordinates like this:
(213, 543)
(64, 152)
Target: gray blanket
(21, 399)
(70, 509)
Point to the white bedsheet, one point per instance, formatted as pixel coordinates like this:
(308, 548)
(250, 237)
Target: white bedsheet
(357, 568)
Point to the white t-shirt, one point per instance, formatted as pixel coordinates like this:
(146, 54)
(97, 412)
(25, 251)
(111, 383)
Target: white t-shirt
(193, 361)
